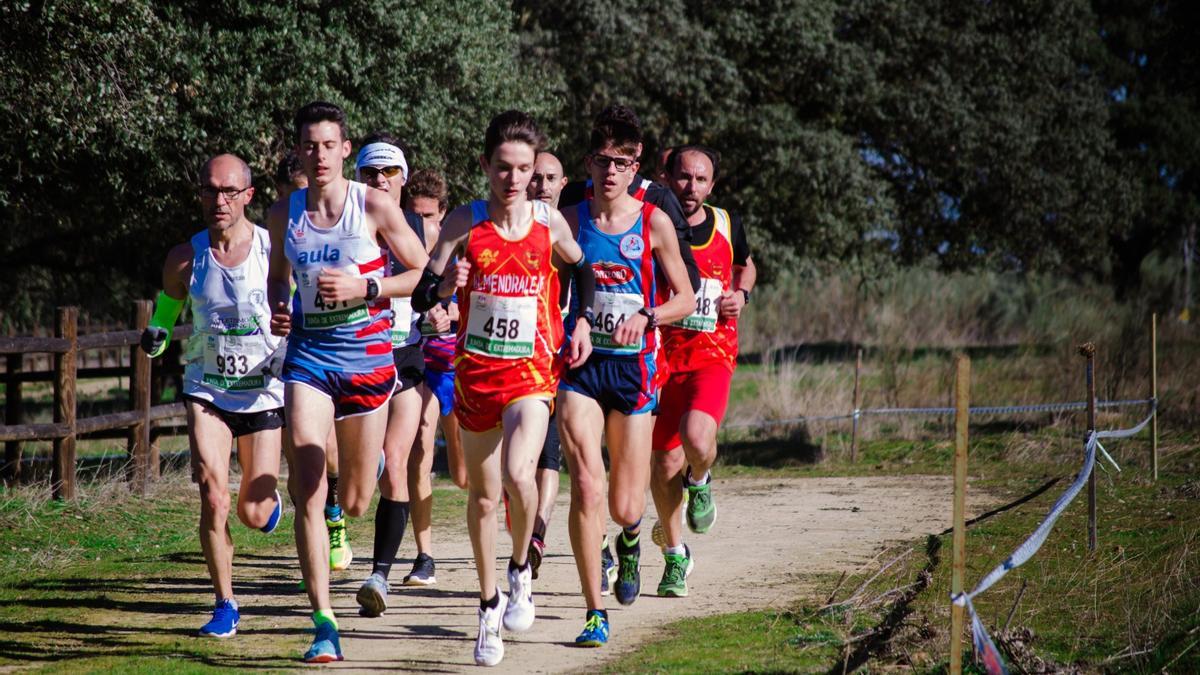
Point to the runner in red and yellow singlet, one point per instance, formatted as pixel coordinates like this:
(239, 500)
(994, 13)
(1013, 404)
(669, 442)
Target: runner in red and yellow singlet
(507, 358)
(701, 357)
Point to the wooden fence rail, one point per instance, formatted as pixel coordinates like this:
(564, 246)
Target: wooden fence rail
(66, 346)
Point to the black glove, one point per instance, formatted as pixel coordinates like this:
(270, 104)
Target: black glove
(154, 340)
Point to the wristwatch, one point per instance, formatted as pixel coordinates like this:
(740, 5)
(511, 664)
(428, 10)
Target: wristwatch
(589, 316)
(652, 322)
(372, 289)
(745, 294)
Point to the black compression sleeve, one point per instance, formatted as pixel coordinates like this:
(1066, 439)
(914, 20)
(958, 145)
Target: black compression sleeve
(585, 284)
(425, 295)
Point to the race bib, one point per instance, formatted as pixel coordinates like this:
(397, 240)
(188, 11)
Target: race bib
(320, 314)
(704, 318)
(235, 362)
(611, 310)
(502, 327)
(402, 313)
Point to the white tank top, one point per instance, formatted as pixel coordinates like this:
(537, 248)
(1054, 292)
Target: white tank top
(350, 335)
(230, 354)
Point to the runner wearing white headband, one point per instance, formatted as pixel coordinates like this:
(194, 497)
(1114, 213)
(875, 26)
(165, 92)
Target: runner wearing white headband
(380, 154)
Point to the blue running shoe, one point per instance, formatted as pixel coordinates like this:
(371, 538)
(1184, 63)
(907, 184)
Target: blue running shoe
(608, 571)
(276, 515)
(326, 646)
(629, 572)
(224, 620)
(595, 631)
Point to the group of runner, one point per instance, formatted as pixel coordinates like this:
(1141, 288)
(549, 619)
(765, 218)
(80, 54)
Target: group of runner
(366, 315)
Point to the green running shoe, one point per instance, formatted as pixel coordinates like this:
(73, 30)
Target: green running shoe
(701, 511)
(675, 574)
(340, 554)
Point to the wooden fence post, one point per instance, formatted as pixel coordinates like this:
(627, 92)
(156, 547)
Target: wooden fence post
(962, 404)
(857, 405)
(62, 479)
(145, 463)
(13, 413)
(1154, 396)
(1089, 351)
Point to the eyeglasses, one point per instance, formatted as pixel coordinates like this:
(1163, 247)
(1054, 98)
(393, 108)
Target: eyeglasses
(230, 194)
(621, 164)
(369, 172)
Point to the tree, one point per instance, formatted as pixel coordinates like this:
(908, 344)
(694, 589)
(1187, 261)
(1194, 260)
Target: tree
(109, 109)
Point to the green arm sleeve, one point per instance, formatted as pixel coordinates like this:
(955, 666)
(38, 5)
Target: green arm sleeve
(166, 312)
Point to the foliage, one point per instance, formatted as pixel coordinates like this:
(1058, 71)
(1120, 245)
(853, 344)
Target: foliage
(109, 109)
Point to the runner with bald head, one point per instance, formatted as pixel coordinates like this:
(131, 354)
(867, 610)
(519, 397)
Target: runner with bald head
(548, 180)
(230, 389)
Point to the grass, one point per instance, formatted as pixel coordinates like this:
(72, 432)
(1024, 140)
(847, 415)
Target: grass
(115, 582)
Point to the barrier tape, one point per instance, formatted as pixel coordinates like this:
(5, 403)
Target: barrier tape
(985, 649)
(980, 410)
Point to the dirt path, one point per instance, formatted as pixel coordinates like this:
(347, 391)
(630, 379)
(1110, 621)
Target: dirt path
(770, 533)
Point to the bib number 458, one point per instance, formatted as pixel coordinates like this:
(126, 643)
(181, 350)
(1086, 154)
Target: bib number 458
(502, 329)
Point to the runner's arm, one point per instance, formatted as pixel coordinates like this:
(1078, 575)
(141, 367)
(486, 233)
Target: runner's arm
(433, 287)
(279, 273)
(562, 236)
(667, 250)
(745, 273)
(401, 240)
(176, 273)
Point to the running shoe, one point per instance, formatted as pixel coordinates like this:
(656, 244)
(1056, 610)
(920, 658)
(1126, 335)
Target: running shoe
(276, 515)
(224, 620)
(340, 554)
(489, 646)
(422, 573)
(372, 596)
(608, 571)
(658, 535)
(701, 511)
(675, 574)
(595, 631)
(537, 548)
(629, 574)
(326, 646)
(518, 617)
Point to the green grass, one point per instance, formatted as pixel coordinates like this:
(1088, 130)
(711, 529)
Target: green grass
(115, 582)
(1138, 592)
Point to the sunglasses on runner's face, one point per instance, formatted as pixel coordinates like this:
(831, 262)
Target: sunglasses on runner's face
(230, 194)
(621, 164)
(369, 172)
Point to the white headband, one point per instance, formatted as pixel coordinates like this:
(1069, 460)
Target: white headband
(381, 154)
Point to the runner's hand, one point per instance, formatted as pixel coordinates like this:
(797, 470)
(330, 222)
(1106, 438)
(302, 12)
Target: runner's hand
(281, 320)
(439, 318)
(153, 340)
(458, 277)
(731, 304)
(581, 345)
(631, 330)
(337, 286)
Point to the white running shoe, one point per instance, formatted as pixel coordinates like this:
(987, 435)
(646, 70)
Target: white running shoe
(519, 615)
(489, 647)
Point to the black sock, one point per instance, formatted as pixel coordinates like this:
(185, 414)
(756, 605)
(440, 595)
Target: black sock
(390, 520)
(601, 612)
(512, 565)
(331, 496)
(491, 604)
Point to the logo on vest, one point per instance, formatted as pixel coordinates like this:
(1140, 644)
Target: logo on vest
(323, 254)
(611, 274)
(632, 246)
(486, 257)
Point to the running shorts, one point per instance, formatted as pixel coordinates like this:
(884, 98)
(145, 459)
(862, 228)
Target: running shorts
(410, 366)
(240, 423)
(706, 390)
(620, 384)
(441, 384)
(352, 393)
(480, 399)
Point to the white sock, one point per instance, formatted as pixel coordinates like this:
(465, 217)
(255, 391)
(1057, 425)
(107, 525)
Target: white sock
(698, 481)
(677, 550)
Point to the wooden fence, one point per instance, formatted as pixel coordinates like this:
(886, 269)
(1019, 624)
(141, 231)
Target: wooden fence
(138, 424)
